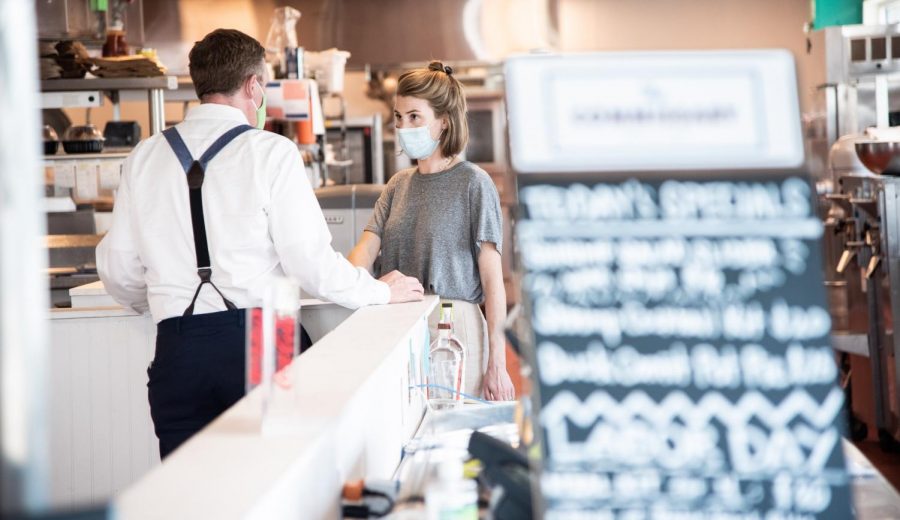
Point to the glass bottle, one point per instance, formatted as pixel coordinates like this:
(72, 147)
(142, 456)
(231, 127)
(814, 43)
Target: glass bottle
(447, 317)
(447, 366)
(447, 314)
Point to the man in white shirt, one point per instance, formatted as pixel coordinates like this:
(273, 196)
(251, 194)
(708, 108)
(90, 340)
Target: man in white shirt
(193, 256)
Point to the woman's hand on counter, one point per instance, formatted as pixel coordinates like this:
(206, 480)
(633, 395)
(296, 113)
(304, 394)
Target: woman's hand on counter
(497, 386)
(403, 288)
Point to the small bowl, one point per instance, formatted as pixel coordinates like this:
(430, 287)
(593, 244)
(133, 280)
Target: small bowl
(83, 133)
(49, 134)
(51, 140)
(83, 146)
(83, 139)
(881, 157)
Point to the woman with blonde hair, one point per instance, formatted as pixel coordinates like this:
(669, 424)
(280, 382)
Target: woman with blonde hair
(440, 222)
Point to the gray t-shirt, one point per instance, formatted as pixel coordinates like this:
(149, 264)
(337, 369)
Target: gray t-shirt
(432, 226)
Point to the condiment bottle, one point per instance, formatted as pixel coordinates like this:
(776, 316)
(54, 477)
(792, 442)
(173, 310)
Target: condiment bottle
(115, 42)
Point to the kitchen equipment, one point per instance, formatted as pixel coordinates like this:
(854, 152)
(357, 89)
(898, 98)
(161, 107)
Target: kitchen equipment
(857, 92)
(857, 87)
(51, 140)
(347, 210)
(871, 236)
(122, 133)
(78, 222)
(843, 159)
(83, 139)
(70, 254)
(359, 140)
(327, 67)
(85, 20)
(882, 157)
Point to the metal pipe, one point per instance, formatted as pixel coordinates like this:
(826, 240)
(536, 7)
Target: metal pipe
(881, 101)
(117, 107)
(157, 110)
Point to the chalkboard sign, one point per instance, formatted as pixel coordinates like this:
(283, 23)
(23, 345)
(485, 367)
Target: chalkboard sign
(681, 347)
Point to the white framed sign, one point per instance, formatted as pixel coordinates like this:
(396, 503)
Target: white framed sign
(653, 111)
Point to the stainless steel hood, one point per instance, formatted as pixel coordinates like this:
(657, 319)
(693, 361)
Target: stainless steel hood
(390, 32)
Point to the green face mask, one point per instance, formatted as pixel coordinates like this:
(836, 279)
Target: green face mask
(261, 110)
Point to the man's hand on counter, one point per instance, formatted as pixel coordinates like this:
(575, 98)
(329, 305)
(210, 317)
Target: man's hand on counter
(403, 288)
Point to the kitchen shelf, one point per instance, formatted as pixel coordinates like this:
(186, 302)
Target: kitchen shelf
(113, 153)
(66, 85)
(154, 86)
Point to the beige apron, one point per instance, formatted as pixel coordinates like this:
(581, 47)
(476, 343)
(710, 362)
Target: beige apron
(470, 327)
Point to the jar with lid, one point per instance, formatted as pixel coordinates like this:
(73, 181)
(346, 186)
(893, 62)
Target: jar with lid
(115, 42)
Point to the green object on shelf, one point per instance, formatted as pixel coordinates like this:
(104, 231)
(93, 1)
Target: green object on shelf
(826, 13)
(99, 5)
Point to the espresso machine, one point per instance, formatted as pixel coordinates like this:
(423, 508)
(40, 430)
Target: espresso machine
(864, 290)
(856, 164)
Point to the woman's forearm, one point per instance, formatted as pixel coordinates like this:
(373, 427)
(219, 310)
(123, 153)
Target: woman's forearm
(364, 252)
(359, 258)
(494, 303)
(497, 385)
(495, 308)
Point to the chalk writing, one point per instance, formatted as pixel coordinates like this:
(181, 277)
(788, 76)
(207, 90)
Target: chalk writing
(703, 366)
(578, 202)
(681, 348)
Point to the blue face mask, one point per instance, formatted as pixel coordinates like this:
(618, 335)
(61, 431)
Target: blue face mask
(417, 142)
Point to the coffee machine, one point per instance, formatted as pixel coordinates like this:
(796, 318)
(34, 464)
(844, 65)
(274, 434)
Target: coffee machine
(858, 202)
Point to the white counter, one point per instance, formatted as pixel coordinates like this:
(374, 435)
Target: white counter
(102, 436)
(356, 411)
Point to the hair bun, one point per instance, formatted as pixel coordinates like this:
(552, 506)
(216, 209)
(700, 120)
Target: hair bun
(437, 66)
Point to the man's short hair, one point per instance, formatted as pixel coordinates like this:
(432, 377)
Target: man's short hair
(223, 60)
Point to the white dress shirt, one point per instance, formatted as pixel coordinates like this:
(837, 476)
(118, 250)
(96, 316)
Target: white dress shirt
(262, 220)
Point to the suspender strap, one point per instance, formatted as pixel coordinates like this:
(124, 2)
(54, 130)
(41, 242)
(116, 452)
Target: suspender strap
(196, 172)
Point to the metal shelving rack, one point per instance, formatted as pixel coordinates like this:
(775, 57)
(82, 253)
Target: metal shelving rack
(65, 93)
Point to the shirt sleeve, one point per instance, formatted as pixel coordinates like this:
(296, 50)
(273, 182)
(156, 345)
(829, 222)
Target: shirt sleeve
(303, 241)
(486, 217)
(118, 261)
(382, 208)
